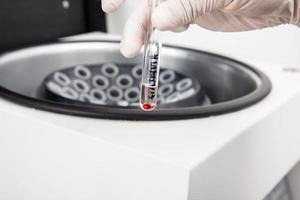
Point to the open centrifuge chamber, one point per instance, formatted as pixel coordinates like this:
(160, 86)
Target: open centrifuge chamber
(92, 79)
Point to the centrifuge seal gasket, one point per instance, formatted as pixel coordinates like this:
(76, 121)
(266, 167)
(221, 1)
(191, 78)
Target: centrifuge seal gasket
(137, 114)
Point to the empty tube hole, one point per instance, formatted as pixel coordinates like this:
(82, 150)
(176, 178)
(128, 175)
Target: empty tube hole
(69, 93)
(167, 76)
(187, 93)
(100, 82)
(114, 94)
(85, 97)
(173, 98)
(166, 90)
(184, 84)
(81, 86)
(124, 81)
(61, 78)
(98, 95)
(110, 70)
(53, 87)
(137, 72)
(82, 72)
(132, 95)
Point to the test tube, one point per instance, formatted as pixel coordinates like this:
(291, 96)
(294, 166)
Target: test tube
(150, 74)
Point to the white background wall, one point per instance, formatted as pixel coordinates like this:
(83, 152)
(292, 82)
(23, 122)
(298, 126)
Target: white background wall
(279, 45)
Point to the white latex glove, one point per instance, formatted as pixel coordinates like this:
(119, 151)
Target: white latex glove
(216, 15)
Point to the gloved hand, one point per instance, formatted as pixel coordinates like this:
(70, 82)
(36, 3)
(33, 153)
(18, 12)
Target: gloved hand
(216, 15)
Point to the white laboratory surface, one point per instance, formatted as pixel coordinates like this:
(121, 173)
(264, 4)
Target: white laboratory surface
(236, 156)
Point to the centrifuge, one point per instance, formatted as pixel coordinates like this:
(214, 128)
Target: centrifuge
(71, 127)
(234, 136)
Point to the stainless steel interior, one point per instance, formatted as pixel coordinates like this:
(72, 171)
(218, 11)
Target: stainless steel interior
(230, 85)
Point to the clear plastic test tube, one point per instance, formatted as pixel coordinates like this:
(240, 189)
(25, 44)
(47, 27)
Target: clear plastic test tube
(150, 74)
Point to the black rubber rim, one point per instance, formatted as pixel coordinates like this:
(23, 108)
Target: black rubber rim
(137, 114)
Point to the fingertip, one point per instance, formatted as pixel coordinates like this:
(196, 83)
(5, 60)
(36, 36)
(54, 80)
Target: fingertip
(180, 29)
(134, 32)
(130, 49)
(107, 8)
(111, 5)
(128, 53)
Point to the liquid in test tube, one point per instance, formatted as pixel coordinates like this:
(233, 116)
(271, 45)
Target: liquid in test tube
(150, 74)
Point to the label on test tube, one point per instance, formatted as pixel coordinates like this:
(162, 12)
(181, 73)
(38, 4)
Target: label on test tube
(149, 86)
